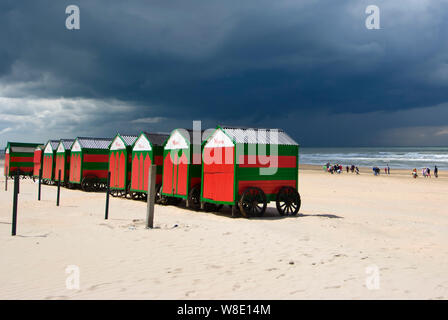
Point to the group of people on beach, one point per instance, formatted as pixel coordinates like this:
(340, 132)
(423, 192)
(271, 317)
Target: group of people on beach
(376, 170)
(338, 168)
(426, 172)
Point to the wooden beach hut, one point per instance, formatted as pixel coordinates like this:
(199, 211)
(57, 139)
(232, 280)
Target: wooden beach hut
(19, 158)
(147, 150)
(49, 161)
(181, 166)
(37, 160)
(63, 160)
(120, 164)
(249, 168)
(89, 162)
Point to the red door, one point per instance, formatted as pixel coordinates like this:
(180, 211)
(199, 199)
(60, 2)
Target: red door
(175, 172)
(182, 175)
(168, 174)
(218, 174)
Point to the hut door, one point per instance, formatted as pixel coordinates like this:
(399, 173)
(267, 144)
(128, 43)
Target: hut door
(175, 172)
(219, 174)
(168, 174)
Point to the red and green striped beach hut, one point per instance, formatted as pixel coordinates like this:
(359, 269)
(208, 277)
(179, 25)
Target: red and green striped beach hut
(120, 164)
(49, 161)
(63, 160)
(89, 162)
(147, 149)
(182, 167)
(37, 160)
(19, 158)
(249, 168)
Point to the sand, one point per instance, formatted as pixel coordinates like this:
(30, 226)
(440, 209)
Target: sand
(357, 237)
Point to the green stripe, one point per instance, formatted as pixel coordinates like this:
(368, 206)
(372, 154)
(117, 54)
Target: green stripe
(21, 154)
(282, 150)
(195, 171)
(21, 164)
(93, 151)
(95, 165)
(245, 174)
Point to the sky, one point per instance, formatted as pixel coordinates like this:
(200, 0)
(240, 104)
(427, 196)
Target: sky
(309, 67)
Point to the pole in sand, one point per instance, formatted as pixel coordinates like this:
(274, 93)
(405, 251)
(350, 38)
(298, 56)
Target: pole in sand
(6, 183)
(40, 184)
(59, 189)
(151, 197)
(14, 204)
(106, 216)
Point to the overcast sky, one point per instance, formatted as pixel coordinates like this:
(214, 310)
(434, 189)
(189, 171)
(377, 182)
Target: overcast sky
(310, 67)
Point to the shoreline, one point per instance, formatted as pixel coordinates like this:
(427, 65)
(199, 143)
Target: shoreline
(443, 174)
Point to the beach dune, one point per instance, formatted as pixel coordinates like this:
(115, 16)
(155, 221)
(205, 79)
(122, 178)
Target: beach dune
(356, 237)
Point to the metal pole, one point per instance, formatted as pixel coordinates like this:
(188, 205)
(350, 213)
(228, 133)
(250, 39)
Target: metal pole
(59, 189)
(6, 183)
(106, 216)
(151, 196)
(40, 183)
(14, 205)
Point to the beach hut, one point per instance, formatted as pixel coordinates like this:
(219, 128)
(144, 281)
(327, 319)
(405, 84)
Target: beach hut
(181, 166)
(37, 160)
(147, 150)
(49, 160)
(63, 160)
(19, 158)
(89, 162)
(120, 164)
(249, 168)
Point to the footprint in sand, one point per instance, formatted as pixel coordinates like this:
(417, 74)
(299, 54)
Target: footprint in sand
(56, 298)
(332, 287)
(189, 293)
(96, 286)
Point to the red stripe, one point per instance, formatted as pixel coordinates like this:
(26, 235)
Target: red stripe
(158, 160)
(253, 161)
(96, 173)
(22, 159)
(96, 158)
(268, 186)
(25, 169)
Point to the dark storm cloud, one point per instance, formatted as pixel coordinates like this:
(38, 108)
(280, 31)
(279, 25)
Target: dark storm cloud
(245, 62)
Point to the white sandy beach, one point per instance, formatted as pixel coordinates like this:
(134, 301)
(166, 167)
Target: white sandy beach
(347, 224)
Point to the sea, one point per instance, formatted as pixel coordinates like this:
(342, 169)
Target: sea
(395, 157)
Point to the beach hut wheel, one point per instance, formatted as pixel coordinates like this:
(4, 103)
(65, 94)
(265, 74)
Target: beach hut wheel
(160, 198)
(194, 197)
(288, 201)
(253, 202)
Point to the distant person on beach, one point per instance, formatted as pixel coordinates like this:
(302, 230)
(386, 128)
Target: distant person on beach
(385, 170)
(428, 172)
(424, 172)
(436, 172)
(357, 170)
(414, 173)
(388, 169)
(347, 168)
(376, 171)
